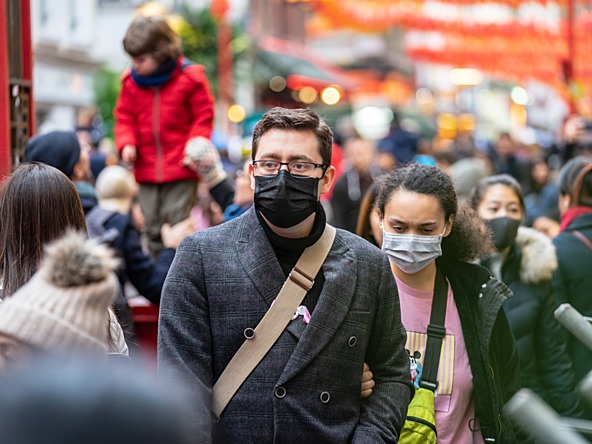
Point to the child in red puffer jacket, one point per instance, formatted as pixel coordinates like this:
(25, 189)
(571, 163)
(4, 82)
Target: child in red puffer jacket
(165, 102)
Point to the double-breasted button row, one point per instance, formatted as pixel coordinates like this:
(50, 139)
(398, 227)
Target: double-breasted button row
(281, 392)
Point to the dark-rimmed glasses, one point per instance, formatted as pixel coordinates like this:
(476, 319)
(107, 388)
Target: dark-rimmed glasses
(296, 168)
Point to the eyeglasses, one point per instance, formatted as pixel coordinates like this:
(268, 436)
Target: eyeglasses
(271, 167)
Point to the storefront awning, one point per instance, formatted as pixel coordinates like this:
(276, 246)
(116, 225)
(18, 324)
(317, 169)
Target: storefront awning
(300, 66)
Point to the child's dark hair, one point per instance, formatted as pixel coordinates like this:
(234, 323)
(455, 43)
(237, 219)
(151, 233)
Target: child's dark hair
(468, 237)
(152, 35)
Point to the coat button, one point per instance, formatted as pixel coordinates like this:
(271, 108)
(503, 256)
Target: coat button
(249, 333)
(280, 392)
(352, 341)
(325, 397)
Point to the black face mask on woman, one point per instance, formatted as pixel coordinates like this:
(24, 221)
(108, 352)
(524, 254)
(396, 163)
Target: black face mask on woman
(286, 200)
(504, 229)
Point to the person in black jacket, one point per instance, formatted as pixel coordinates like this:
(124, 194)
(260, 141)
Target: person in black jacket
(111, 220)
(425, 231)
(573, 278)
(351, 187)
(525, 260)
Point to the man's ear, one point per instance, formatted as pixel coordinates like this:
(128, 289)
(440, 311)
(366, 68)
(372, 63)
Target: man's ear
(327, 179)
(252, 176)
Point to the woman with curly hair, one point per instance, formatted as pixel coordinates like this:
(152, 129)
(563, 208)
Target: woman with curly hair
(425, 233)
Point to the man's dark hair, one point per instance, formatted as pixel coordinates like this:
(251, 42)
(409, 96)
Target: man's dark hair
(300, 119)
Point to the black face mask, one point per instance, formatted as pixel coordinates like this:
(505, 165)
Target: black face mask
(504, 229)
(286, 200)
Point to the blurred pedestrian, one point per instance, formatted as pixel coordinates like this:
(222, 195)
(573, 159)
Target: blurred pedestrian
(163, 125)
(62, 150)
(466, 173)
(573, 279)
(111, 222)
(400, 145)
(60, 402)
(353, 184)
(243, 194)
(369, 225)
(425, 233)
(505, 161)
(90, 131)
(525, 261)
(543, 199)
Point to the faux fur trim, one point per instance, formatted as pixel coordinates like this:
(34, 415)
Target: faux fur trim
(539, 259)
(73, 261)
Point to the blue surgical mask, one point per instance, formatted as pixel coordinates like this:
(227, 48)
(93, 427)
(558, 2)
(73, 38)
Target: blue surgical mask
(411, 252)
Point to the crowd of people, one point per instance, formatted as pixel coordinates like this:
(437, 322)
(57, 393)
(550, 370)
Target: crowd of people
(264, 345)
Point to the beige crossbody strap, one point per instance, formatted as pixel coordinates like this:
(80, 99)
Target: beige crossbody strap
(300, 280)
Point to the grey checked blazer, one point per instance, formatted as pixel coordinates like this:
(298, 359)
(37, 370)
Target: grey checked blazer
(307, 388)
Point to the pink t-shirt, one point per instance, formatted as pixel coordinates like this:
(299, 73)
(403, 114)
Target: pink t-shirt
(454, 398)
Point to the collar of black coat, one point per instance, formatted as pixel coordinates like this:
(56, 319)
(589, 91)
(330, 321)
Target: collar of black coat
(479, 299)
(295, 247)
(581, 223)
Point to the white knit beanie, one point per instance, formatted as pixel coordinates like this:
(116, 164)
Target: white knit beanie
(63, 308)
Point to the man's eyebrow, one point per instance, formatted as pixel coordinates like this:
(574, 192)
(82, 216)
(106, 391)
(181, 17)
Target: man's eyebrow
(270, 156)
(295, 157)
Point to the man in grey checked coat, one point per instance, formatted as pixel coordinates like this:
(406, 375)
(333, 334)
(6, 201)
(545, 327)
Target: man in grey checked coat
(224, 279)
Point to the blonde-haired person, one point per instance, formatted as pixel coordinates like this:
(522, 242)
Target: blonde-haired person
(164, 103)
(60, 311)
(116, 189)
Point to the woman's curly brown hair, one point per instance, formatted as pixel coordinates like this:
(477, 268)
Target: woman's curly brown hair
(468, 238)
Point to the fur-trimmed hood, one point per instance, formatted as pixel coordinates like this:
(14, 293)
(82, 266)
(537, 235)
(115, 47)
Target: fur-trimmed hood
(539, 259)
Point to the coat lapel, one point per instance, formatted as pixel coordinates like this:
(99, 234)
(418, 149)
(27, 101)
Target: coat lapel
(340, 271)
(259, 260)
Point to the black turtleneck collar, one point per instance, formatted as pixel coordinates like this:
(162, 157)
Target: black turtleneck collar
(284, 245)
(288, 251)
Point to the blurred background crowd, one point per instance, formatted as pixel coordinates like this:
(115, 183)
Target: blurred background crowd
(475, 88)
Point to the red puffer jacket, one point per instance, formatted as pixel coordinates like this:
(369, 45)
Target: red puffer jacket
(159, 120)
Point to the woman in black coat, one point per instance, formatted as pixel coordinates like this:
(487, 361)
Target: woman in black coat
(525, 261)
(425, 232)
(573, 278)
